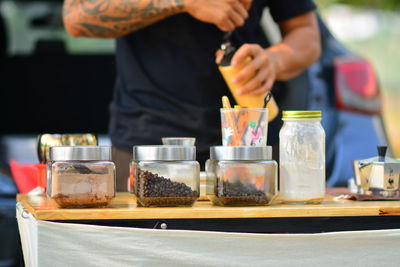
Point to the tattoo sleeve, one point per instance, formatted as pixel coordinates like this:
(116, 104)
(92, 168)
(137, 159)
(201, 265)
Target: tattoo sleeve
(114, 18)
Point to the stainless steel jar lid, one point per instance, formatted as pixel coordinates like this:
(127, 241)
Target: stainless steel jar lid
(167, 153)
(58, 153)
(241, 152)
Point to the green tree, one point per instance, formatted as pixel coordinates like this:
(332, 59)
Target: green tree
(381, 4)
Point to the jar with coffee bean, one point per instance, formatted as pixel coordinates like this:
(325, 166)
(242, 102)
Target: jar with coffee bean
(165, 175)
(81, 176)
(242, 175)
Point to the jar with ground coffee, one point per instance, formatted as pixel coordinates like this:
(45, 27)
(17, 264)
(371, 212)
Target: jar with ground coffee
(242, 175)
(165, 175)
(81, 176)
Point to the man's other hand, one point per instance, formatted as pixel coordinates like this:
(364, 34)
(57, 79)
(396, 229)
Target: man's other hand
(225, 14)
(260, 74)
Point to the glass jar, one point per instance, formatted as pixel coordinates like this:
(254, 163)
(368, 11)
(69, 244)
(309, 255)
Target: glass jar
(165, 175)
(81, 176)
(302, 157)
(242, 175)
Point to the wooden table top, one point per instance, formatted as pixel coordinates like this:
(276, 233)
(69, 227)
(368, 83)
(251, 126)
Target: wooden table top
(124, 207)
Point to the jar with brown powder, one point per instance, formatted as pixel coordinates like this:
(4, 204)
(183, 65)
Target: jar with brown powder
(81, 176)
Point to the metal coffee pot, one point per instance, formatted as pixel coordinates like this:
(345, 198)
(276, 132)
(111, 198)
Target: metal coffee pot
(378, 176)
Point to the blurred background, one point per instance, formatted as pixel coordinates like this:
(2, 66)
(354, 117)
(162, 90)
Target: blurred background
(371, 28)
(53, 83)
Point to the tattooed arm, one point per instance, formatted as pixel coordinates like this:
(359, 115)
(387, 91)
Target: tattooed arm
(114, 18)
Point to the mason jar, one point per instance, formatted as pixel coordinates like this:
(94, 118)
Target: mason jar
(302, 157)
(242, 175)
(81, 176)
(165, 175)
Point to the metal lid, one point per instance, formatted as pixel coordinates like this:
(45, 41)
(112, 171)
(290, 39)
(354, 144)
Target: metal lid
(179, 141)
(80, 153)
(301, 114)
(167, 153)
(241, 152)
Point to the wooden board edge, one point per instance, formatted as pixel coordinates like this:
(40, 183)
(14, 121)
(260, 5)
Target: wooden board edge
(389, 211)
(204, 214)
(25, 204)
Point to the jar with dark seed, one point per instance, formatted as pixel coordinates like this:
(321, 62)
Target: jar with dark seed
(165, 175)
(242, 175)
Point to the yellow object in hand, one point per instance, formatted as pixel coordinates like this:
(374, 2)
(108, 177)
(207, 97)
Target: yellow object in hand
(251, 101)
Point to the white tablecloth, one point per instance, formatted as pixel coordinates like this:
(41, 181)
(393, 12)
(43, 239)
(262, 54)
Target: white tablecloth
(62, 244)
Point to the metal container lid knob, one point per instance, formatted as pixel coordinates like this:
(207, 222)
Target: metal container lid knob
(59, 153)
(167, 153)
(179, 141)
(241, 152)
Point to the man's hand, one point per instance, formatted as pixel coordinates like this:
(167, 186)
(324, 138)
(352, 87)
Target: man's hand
(225, 14)
(259, 75)
(299, 48)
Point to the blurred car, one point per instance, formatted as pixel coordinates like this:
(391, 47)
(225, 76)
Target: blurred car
(351, 135)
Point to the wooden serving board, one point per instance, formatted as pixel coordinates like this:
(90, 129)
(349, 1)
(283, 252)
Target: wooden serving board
(123, 207)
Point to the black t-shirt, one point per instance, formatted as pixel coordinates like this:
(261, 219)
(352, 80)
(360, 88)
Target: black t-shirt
(168, 83)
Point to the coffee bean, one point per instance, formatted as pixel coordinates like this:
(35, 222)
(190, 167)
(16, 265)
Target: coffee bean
(155, 190)
(237, 193)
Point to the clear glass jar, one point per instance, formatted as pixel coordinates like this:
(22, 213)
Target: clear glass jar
(81, 176)
(242, 175)
(165, 175)
(302, 157)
